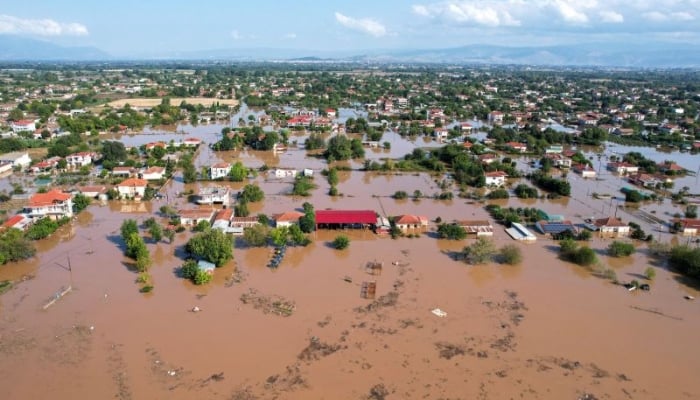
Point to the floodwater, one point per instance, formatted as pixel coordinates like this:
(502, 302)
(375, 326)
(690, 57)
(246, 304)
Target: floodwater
(543, 329)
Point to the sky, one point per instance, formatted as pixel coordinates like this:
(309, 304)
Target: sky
(153, 27)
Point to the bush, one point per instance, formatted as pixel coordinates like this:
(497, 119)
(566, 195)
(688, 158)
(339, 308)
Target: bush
(571, 251)
(650, 273)
(524, 191)
(340, 242)
(498, 194)
(451, 231)
(42, 229)
(251, 193)
(510, 254)
(479, 252)
(303, 185)
(400, 195)
(620, 249)
(212, 245)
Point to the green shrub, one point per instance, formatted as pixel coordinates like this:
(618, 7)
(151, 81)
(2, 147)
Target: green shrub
(620, 249)
(341, 242)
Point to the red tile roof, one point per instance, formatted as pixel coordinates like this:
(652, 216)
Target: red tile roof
(408, 220)
(346, 217)
(48, 198)
(610, 221)
(133, 182)
(14, 220)
(289, 216)
(224, 215)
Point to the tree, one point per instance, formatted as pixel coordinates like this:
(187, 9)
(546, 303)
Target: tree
(400, 195)
(479, 252)
(279, 235)
(189, 269)
(340, 242)
(307, 223)
(297, 236)
(333, 177)
(135, 246)
(156, 232)
(451, 231)
(170, 234)
(620, 249)
(510, 254)
(202, 226)
(251, 193)
(238, 172)
(524, 191)
(241, 209)
(633, 196)
(113, 151)
(686, 260)
(14, 246)
(80, 202)
(256, 235)
(302, 186)
(691, 211)
(585, 256)
(41, 229)
(212, 245)
(128, 227)
(15, 115)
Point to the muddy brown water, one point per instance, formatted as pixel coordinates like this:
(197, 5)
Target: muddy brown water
(542, 329)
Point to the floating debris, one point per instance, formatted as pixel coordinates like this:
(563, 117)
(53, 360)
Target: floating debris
(438, 312)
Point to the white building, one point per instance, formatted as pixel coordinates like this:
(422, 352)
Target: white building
(17, 158)
(495, 178)
(23, 125)
(54, 204)
(132, 188)
(77, 160)
(283, 173)
(220, 170)
(153, 173)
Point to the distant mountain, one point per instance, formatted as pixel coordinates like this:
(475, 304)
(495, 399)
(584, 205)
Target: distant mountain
(586, 54)
(16, 48)
(644, 55)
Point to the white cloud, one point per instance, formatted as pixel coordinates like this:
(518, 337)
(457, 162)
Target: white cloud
(421, 10)
(569, 12)
(611, 17)
(655, 16)
(682, 16)
(41, 27)
(236, 35)
(365, 25)
(490, 14)
(290, 35)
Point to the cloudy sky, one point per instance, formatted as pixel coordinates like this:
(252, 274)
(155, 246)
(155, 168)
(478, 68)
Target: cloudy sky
(141, 27)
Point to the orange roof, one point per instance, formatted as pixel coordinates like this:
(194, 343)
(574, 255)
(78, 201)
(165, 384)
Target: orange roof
(288, 216)
(610, 221)
(14, 220)
(408, 220)
(495, 174)
(197, 213)
(224, 214)
(48, 198)
(133, 182)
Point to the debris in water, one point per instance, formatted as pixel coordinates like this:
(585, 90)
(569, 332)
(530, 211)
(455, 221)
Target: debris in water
(196, 309)
(439, 313)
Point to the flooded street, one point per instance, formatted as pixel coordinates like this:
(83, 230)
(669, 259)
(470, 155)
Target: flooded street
(544, 329)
